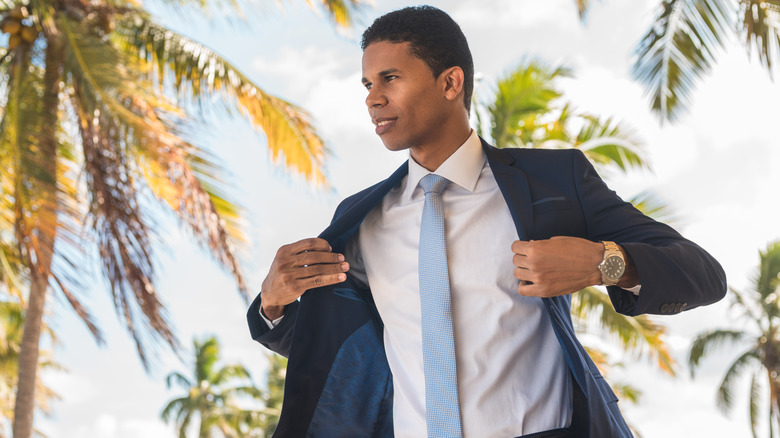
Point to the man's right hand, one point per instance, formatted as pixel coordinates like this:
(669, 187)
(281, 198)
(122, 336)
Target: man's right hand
(298, 267)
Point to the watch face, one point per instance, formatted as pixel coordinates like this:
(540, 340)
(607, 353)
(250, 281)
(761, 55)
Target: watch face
(614, 267)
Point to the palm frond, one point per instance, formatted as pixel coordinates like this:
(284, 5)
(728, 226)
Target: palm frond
(751, 312)
(341, 11)
(123, 235)
(175, 171)
(178, 378)
(81, 311)
(522, 96)
(252, 392)
(29, 179)
(230, 372)
(626, 391)
(68, 266)
(599, 357)
(206, 356)
(183, 421)
(650, 204)
(134, 131)
(767, 282)
(680, 48)
(108, 81)
(228, 9)
(636, 334)
(214, 397)
(754, 407)
(582, 8)
(705, 342)
(761, 29)
(188, 182)
(173, 407)
(724, 397)
(606, 141)
(11, 273)
(198, 73)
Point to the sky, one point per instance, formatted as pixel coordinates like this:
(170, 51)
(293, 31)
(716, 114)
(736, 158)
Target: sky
(718, 167)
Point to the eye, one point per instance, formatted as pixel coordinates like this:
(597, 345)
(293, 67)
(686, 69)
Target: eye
(389, 78)
(367, 85)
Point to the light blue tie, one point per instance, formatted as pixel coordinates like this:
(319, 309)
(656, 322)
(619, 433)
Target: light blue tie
(441, 380)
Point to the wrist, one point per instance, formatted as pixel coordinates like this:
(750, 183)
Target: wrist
(613, 264)
(598, 256)
(630, 278)
(271, 311)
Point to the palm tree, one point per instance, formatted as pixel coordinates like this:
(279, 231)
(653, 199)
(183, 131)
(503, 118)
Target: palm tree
(11, 328)
(527, 110)
(683, 44)
(760, 307)
(11, 325)
(211, 395)
(91, 134)
(277, 371)
(261, 421)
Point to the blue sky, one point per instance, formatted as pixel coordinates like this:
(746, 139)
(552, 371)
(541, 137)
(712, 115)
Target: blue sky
(718, 167)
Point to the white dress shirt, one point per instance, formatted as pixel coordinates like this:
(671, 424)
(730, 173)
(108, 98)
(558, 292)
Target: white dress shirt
(512, 376)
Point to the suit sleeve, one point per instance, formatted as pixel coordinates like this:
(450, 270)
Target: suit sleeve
(277, 339)
(675, 273)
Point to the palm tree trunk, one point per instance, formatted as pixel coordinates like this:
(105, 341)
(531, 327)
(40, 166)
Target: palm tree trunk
(45, 233)
(28, 358)
(774, 411)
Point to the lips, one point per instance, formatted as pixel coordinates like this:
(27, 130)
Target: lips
(383, 124)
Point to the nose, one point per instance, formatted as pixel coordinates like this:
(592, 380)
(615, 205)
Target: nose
(376, 98)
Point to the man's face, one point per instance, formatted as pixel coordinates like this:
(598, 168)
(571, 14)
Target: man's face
(405, 102)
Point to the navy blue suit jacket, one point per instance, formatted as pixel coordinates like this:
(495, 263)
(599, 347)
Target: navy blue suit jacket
(338, 381)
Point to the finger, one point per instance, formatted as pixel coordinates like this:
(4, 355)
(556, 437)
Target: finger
(316, 257)
(524, 275)
(319, 270)
(520, 246)
(311, 244)
(528, 289)
(322, 280)
(520, 260)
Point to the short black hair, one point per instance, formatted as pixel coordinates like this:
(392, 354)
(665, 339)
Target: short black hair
(433, 36)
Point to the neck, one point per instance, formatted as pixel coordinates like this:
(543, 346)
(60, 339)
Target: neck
(432, 155)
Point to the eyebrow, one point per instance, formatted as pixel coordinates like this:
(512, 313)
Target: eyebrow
(382, 73)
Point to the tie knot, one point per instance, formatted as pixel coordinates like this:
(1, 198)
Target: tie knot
(433, 183)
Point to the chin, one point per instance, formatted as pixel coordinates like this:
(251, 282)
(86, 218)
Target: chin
(394, 146)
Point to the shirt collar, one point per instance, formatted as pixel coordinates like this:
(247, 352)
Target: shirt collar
(463, 167)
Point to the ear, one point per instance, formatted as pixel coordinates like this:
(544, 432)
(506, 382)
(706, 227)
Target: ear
(452, 81)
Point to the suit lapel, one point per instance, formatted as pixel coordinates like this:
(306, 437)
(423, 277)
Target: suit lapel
(347, 222)
(514, 187)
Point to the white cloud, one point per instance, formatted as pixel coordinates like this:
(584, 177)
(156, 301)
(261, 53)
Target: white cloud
(303, 69)
(515, 13)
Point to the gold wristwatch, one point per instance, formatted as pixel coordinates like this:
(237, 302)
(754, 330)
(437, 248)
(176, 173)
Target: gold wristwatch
(613, 265)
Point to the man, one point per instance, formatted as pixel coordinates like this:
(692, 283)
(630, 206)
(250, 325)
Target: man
(437, 302)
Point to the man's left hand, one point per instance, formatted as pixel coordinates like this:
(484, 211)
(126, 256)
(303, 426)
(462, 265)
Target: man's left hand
(558, 266)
